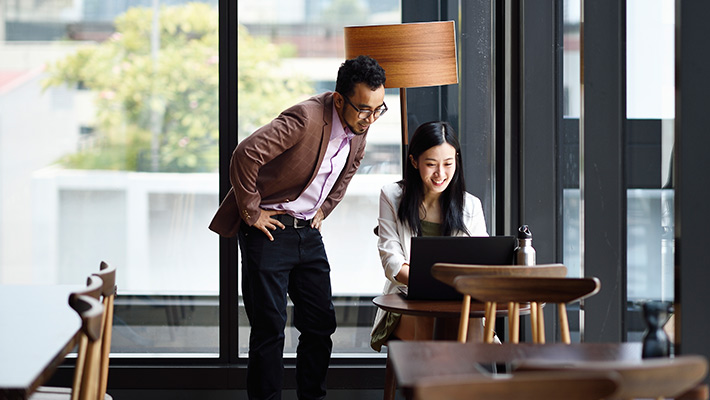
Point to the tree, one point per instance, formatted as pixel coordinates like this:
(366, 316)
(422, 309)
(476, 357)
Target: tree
(263, 91)
(156, 100)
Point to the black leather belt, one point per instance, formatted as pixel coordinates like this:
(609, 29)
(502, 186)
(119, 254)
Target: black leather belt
(290, 221)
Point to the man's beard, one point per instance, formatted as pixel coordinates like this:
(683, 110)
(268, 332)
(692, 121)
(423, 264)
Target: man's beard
(354, 131)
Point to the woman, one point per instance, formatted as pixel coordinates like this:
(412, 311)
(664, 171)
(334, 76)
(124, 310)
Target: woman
(431, 200)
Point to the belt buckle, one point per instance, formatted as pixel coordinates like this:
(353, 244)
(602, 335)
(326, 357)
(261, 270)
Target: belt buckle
(296, 221)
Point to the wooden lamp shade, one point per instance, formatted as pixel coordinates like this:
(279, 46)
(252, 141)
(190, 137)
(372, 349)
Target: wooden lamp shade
(412, 55)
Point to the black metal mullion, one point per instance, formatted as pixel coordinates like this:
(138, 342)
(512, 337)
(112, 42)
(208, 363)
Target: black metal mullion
(508, 117)
(228, 293)
(477, 90)
(602, 183)
(539, 197)
(692, 219)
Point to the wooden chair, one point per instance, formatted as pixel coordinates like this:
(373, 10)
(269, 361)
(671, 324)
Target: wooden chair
(659, 378)
(86, 384)
(108, 274)
(528, 290)
(558, 385)
(94, 285)
(448, 272)
(102, 286)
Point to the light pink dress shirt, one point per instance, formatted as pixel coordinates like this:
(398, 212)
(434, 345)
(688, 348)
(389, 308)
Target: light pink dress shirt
(336, 155)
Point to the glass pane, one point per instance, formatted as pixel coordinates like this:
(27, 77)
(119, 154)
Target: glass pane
(650, 112)
(108, 151)
(293, 50)
(569, 133)
(569, 157)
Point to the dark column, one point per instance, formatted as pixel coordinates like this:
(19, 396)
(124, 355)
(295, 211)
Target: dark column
(602, 183)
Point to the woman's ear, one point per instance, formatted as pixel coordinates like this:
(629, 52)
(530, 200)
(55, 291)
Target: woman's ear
(413, 161)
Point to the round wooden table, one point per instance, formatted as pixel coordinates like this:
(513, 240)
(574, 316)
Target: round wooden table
(446, 314)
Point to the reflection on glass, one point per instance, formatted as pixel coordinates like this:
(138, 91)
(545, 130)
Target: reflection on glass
(569, 165)
(289, 51)
(650, 111)
(109, 152)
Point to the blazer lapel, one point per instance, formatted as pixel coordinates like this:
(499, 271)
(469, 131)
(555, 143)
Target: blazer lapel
(324, 136)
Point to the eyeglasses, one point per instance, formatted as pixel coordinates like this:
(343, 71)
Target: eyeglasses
(365, 114)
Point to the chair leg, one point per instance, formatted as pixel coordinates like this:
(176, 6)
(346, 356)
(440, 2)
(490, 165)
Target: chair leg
(79, 367)
(90, 381)
(463, 323)
(487, 307)
(533, 321)
(490, 325)
(514, 322)
(564, 324)
(390, 382)
(486, 318)
(105, 346)
(540, 324)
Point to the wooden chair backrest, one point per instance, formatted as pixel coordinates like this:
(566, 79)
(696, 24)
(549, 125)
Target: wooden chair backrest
(648, 378)
(94, 287)
(557, 385)
(447, 273)
(91, 311)
(108, 274)
(524, 289)
(533, 290)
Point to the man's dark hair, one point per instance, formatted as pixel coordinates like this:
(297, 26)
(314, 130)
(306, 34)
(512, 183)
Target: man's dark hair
(361, 69)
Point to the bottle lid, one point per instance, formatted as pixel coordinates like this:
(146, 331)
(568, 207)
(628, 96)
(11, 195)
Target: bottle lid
(524, 232)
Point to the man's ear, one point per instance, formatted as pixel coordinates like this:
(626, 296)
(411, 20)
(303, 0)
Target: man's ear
(413, 161)
(338, 100)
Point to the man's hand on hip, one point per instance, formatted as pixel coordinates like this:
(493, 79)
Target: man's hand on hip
(317, 220)
(265, 223)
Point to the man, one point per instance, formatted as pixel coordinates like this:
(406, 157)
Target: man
(286, 178)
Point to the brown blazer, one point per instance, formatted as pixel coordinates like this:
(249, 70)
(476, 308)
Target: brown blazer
(276, 164)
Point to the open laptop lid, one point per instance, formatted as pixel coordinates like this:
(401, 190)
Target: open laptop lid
(429, 250)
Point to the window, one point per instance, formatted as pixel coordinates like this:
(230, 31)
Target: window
(647, 153)
(569, 160)
(120, 165)
(650, 91)
(293, 50)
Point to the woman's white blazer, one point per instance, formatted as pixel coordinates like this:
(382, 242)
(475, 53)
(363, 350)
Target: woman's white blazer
(395, 236)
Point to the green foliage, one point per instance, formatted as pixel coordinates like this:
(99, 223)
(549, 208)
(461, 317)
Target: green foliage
(155, 110)
(159, 110)
(263, 90)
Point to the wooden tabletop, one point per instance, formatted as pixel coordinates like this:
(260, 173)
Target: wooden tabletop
(416, 360)
(39, 329)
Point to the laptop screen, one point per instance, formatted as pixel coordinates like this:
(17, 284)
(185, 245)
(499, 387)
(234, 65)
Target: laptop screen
(429, 250)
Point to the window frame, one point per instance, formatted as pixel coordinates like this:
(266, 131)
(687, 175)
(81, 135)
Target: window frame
(228, 371)
(517, 67)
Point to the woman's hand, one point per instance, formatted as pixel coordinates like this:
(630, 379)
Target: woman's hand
(403, 274)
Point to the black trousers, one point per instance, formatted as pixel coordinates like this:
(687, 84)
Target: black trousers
(294, 263)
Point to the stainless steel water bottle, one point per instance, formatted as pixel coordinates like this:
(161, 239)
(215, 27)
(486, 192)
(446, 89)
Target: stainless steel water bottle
(524, 253)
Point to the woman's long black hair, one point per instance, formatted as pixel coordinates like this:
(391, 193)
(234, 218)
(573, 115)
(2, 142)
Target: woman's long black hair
(426, 136)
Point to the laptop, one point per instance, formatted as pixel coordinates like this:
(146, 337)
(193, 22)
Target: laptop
(429, 250)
